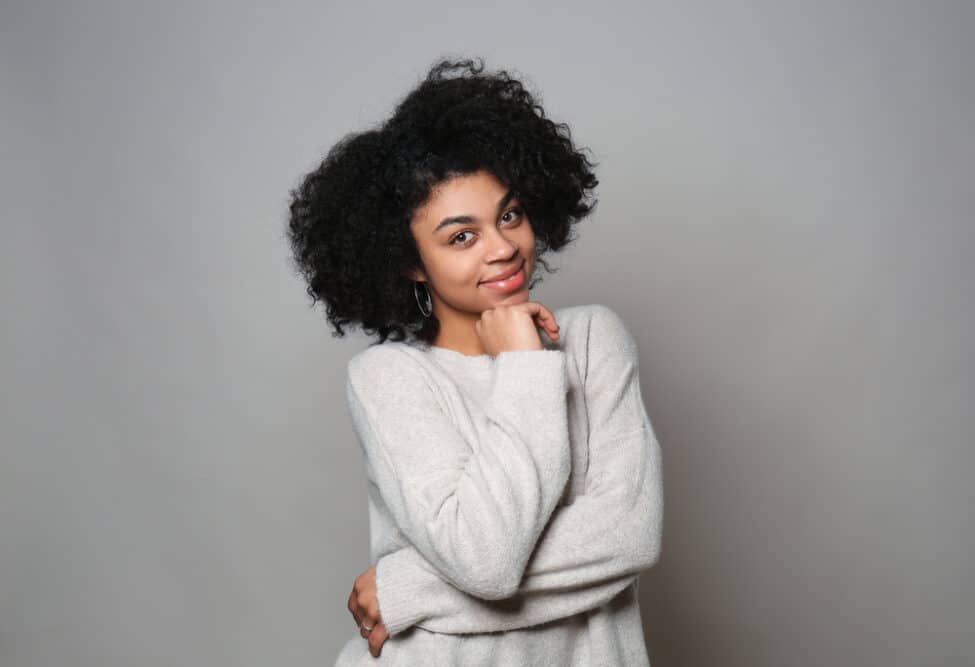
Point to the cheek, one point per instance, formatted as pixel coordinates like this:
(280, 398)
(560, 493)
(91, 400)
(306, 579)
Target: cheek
(464, 268)
(528, 242)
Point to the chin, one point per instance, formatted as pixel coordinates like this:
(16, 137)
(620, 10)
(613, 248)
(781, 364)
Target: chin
(521, 296)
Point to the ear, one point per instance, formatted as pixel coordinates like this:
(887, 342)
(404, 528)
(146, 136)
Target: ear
(418, 275)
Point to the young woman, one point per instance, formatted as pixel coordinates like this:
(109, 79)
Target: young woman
(514, 476)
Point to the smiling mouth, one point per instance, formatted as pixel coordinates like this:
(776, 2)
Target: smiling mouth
(507, 277)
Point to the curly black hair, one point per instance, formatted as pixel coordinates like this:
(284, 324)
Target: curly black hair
(349, 224)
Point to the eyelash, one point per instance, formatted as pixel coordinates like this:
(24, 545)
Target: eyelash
(517, 209)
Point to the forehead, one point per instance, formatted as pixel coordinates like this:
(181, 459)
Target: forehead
(469, 194)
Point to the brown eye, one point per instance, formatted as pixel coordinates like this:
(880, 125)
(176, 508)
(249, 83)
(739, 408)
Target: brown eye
(453, 241)
(517, 211)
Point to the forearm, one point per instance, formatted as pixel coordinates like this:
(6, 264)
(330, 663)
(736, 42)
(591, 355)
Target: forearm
(589, 551)
(433, 604)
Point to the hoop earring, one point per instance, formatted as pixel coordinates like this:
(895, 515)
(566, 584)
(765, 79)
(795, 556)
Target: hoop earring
(429, 302)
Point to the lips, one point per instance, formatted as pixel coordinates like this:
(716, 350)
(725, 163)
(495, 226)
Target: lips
(504, 275)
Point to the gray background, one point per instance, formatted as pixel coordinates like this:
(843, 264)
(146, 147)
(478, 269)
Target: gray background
(785, 222)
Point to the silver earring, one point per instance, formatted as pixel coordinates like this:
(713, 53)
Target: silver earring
(429, 302)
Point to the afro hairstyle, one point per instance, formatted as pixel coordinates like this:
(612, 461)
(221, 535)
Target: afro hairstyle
(349, 223)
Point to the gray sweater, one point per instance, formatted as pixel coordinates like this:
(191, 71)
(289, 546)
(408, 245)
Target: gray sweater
(513, 500)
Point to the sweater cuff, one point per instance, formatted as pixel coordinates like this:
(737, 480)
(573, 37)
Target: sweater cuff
(400, 588)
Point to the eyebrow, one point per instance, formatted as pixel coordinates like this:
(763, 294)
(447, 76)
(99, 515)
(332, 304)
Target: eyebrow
(466, 219)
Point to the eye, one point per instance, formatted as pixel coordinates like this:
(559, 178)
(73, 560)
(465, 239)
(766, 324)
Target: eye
(453, 240)
(517, 210)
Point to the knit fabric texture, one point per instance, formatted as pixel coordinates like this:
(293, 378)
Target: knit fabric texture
(513, 499)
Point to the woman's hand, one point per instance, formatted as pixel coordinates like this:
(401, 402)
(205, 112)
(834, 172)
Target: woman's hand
(515, 327)
(365, 610)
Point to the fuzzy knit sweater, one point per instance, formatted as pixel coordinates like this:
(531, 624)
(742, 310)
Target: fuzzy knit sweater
(513, 499)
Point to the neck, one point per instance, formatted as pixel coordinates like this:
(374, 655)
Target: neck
(457, 333)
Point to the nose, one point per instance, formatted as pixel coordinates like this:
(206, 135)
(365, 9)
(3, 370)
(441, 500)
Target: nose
(502, 248)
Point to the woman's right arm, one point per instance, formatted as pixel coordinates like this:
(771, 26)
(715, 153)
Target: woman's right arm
(473, 511)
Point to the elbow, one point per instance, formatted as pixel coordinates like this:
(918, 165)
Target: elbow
(491, 579)
(488, 589)
(653, 555)
(506, 582)
(654, 543)
(501, 577)
(492, 564)
(649, 546)
(650, 505)
(647, 554)
(494, 591)
(491, 571)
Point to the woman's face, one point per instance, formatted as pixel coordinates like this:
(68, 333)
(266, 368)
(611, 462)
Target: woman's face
(469, 231)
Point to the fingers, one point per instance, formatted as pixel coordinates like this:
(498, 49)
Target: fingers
(544, 318)
(377, 638)
(515, 327)
(366, 615)
(551, 328)
(354, 608)
(359, 615)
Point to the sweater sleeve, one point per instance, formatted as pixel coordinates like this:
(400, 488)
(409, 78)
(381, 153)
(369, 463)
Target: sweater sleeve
(592, 548)
(472, 505)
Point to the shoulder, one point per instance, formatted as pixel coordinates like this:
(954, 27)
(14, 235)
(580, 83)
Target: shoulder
(387, 365)
(598, 333)
(585, 321)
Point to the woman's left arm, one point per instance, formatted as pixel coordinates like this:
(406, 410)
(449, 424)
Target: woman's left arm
(591, 549)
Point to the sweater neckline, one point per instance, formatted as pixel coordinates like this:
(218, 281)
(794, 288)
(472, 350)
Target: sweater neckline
(454, 356)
